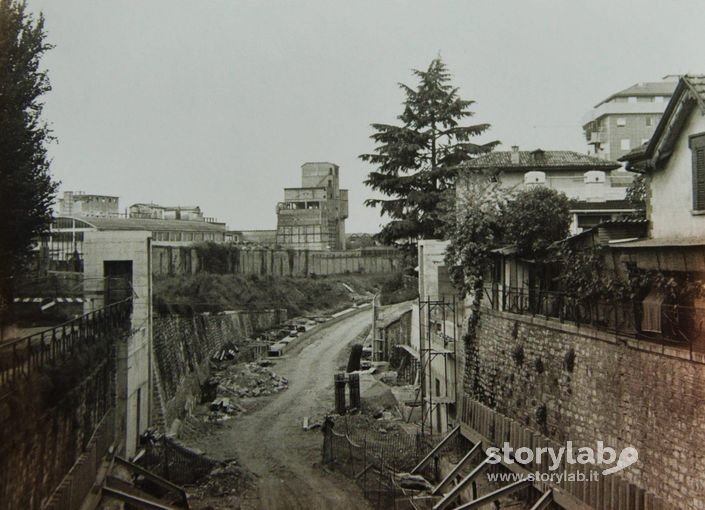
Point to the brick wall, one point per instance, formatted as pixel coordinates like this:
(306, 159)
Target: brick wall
(183, 347)
(586, 386)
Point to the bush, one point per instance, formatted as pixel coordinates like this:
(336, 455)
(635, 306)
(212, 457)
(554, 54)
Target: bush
(537, 218)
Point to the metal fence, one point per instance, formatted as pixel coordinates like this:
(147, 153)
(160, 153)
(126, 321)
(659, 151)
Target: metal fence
(22, 357)
(680, 325)
(174, 462)
(373, 459)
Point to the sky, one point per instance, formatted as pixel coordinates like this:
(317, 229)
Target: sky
(217, 103)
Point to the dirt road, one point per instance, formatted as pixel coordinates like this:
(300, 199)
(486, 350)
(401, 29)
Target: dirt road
(270, 441)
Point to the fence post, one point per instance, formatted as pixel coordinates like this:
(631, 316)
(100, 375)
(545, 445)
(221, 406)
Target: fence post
(354, 391)
(340, 393)
(166, 458)
(379, 479)
(364, 466)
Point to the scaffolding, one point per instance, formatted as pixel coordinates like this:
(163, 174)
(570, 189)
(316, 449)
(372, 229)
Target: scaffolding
(437, 338)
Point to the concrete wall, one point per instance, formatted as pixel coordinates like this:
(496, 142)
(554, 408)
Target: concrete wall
(433, 274)
(170, 260)
(619, 391)
(671, 189)
(134, 357)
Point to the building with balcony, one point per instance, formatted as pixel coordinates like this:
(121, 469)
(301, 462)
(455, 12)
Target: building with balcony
(596, 186)
(312, 217)
(627, 119)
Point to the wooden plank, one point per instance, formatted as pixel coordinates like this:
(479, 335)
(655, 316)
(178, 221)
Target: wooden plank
(455, 491)
(454, 472)
(544, 501)
(479, 502)
(156, 479)
(435, 449)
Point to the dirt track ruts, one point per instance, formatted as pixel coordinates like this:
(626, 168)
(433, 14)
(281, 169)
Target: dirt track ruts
(271, 442)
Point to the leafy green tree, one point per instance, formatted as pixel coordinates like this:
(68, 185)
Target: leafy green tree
(26, 188)
(536, 218)
(416, 160)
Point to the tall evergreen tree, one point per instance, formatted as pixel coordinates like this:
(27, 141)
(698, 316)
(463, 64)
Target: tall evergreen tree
(416, 161)
(26, 188)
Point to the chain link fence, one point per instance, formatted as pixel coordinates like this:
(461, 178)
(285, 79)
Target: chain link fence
(375, 459)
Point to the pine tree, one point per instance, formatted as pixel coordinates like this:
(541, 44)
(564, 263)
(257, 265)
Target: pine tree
(416, 161)
(26, 188)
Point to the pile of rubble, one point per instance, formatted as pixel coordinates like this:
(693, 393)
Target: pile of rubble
(222, 489)
(242, 381)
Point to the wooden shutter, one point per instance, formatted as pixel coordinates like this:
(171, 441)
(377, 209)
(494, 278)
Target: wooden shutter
(697, 146)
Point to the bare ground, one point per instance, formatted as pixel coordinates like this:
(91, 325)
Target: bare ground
(270, 441)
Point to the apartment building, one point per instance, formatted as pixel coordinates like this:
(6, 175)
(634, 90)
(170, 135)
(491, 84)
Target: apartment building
(627, 119)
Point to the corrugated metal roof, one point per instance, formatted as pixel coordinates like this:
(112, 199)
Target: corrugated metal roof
(151, 225)
(539, 159)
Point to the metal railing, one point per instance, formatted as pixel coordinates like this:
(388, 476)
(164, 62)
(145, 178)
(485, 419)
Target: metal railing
(680, 325)
(24, 356)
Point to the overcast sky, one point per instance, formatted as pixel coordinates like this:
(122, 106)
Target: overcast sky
(218, 103)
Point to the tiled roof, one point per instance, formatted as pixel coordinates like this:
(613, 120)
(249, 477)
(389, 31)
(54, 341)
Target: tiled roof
(151, 225)
(539, 159)
(653, 88)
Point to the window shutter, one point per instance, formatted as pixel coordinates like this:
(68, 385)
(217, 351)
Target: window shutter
(697, 146)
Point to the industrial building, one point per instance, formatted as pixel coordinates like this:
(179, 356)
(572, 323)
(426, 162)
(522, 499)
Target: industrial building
(312, 217)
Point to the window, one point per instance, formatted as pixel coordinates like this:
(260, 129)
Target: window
(697, 147)
(625, 144)
(649, 121)
(621, 121)
(631, 99)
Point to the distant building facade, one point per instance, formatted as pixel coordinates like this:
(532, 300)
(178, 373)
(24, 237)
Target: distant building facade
(65, 242)
(312, 217)
(261, 237)
(626, 119)
(596, 186)
(160, 212)
(87, 204)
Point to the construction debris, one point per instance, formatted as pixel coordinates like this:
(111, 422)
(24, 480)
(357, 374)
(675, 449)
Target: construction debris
(221, 489)
(238, 382)
(414, 482)
(227, 353)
